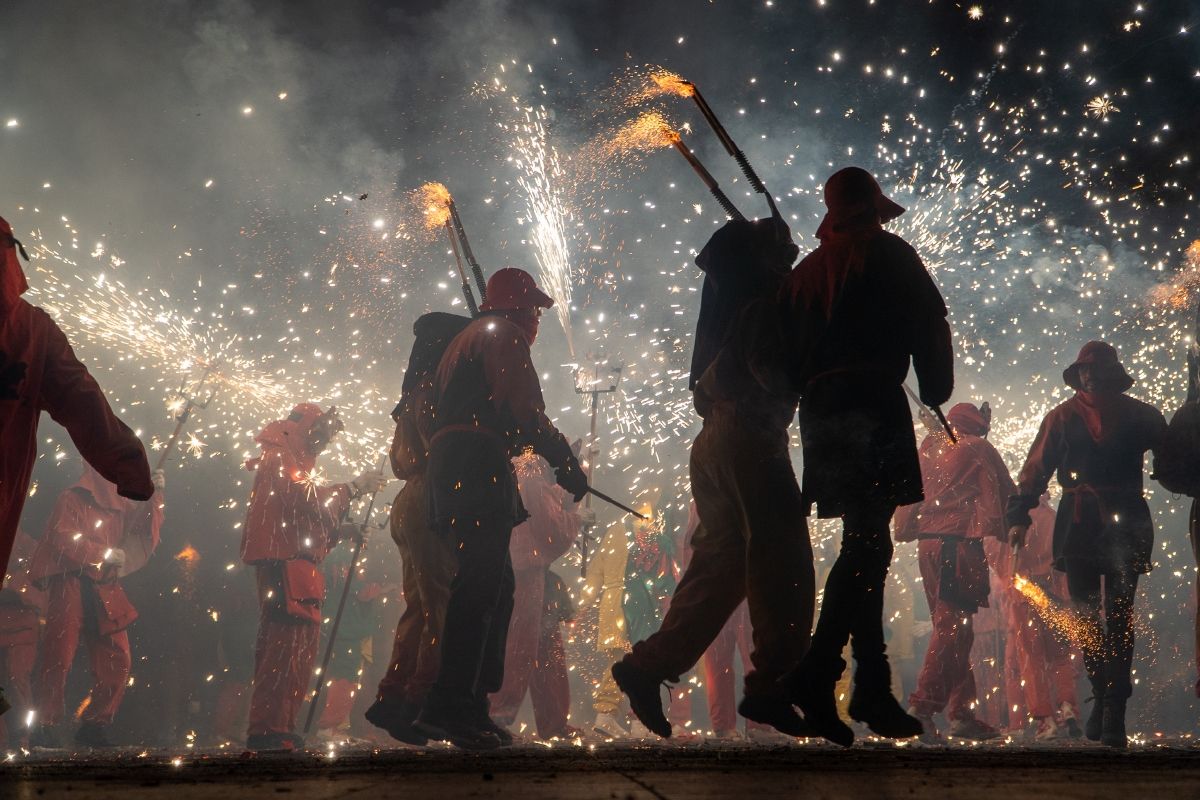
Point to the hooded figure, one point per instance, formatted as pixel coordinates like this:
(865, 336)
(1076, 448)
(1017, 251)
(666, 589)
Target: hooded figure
(751, 543)
(1096, 441)
(39, 372)
(292, 522)
(22, 606)
(94, 538)
(966, 487)
(486, 407)
(862, 307)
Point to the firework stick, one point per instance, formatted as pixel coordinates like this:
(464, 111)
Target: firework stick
(923, 412)
(337, 619)
(468, 295)
(730, 146)
(610, 501)
(466, 247)
(708, 179)
(942, 419)
(181, 420)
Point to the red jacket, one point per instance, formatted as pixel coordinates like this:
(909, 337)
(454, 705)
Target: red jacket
(289, 516)
(551, 529)
(966, 488)
(39, 372)
(87, 522)
(19, 590)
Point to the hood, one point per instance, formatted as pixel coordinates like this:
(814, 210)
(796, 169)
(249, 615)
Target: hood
(1102, 356)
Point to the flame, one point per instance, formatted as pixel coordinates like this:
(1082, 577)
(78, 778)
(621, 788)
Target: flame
(83, 706)
(649, 131)
(670, 83)
(1076, 629)
(188, 555)
(434, 200)
(1182, 288)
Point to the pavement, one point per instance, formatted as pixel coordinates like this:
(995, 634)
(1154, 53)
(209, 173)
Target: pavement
(1157, 770)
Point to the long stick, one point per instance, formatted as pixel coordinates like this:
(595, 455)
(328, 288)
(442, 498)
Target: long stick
(937, 410)
(466, 246)
(462, 273)
(337, 620)
(731, 147)
(610, 501)
(708, 179)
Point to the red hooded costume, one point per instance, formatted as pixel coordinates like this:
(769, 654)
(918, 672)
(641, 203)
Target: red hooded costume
(21, 607)
(39, 372)
(71, 562)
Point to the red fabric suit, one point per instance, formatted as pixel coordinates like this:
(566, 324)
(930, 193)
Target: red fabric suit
(533, 647)
(21, 607)
(290, 527)
(39, 372)
(966, 486)
(84, 597)
(1040, 673)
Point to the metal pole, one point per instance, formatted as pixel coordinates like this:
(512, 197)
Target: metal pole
(462, 273)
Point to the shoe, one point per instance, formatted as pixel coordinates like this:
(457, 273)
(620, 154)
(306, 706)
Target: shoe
(813, 695)
(1068, 716)
(883, 715)
(776, 712)
(273, 742)
(397, 720)
(1094, 726)
(639, 731)
(929, 732)
(502, 733)
(1113, 730)
(645, 700)
(768, 737)
(971, 728)
(1046, 730)
(90, 734)
(607, 726)
(455, 722)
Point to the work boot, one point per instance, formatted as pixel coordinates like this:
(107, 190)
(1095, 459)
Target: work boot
(92, 734)
(607, 726)
(970, 727)
(274, 742)
(1094, 727)
(776, 712)
(455, 721)
(645, 700)
(873, 704)
(483, 718)
(397, 720)
(811, 690)
(1113, 729)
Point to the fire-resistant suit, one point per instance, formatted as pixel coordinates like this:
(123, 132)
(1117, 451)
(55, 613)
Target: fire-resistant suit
(22, 606)
(538, 542)
(966, 487)
(1096, 442)
(39, 372)
(74, 563)
(291, 525)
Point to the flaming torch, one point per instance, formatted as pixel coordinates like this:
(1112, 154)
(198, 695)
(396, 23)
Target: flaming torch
(651, 131)
(670, 83)
(438, 206)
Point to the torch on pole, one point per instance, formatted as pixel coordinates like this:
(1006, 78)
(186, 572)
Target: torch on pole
(192, 401)
(468, 295)
(591, 386)
(476, 270)
(337, 620)
(706, 176)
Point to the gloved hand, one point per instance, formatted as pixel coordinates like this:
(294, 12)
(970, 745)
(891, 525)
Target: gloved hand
(159, 479)
(368, 482)
(571, 477)
(115, 557)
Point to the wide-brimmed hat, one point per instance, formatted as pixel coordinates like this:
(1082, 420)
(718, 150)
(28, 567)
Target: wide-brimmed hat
(851, 192)
(1102, 356)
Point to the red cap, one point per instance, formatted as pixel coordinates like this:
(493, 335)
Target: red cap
(512, 288)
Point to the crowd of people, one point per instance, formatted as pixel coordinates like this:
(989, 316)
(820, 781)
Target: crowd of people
(492, 501)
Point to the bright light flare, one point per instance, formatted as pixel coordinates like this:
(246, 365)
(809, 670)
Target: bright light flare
(650, 131)
(670, 83)
(435, 199)
(1073, 627)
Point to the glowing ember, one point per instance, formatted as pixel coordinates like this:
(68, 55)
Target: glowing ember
(1080, 632)
(188, 555)
(670, 83)
(650, 131)
(1101, 107)
(1180, 291)
(434, 200)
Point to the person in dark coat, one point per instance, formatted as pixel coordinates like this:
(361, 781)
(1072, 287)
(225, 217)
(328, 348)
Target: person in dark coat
(487, 407)
(752, 541)
(862, 305)
(1103, 533)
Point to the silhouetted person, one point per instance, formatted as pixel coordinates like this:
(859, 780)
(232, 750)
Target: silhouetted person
(862, 305)
(752, 542)
(1096, 441)
(487, 408)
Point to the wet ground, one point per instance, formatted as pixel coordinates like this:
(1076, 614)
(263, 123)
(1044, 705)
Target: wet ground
(1159, 770)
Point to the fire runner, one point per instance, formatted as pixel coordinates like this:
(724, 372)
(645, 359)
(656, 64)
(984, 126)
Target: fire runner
(863, 305)
(752, 543)
(1103, 533)
(487, 408)
(966, 487)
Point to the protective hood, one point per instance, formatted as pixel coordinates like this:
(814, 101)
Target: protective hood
(104, 494)
(851, 194)
(289, 438)
(12, 277)
(967, 419)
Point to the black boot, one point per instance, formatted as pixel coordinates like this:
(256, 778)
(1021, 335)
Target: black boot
(810, 687)
(397, 720)
(1113, 729)
(768, 709)
(873, 704)
(483, 715)
(645, 699)
(454, 720)
(1094, 727)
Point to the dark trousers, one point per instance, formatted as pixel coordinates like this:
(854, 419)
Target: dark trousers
(1108, 665)
(853, 603)
(478, 614)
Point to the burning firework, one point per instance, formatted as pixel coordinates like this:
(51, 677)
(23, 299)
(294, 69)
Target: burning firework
(434, 200)
(1079, 631)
